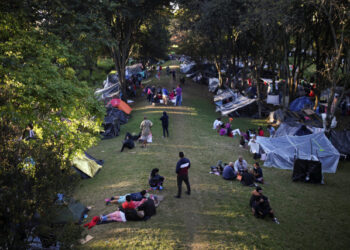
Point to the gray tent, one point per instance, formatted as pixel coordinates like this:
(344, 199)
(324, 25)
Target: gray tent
(295, 129)
(281, 151)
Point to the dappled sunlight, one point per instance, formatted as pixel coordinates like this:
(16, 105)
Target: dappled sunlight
(121, 184)
(129, 237)
(223, 213)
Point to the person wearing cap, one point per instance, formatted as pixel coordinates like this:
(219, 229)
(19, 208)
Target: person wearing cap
(260, 205)
(145, 127)
(240, 165)
(182, 167)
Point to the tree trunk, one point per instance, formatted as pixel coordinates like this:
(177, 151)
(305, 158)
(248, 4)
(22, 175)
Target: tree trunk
(218, 68)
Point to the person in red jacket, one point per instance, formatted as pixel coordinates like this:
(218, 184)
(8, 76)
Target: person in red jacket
(182, 167)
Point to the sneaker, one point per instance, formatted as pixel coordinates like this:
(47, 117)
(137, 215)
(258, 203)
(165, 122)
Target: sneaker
(176, 196)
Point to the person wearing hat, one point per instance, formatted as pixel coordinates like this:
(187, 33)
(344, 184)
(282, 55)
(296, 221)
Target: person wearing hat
(260, 205)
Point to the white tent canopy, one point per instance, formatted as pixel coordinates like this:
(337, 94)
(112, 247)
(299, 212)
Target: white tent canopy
(281, 151)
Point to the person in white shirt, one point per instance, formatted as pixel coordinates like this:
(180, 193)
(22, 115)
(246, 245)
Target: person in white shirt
(240, 165)
(217, 123)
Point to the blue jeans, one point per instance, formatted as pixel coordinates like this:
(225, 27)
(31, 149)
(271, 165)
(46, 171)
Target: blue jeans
(178, 100)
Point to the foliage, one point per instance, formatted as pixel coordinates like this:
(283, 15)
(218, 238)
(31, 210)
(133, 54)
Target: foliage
(38, 86)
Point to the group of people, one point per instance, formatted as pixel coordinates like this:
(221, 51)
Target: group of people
(225, 129)
(240, 171)
(157, 95)
(142, 205)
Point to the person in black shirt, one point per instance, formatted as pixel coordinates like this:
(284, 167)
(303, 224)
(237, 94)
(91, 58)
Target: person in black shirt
(165, 123)
(258, 174)
(260, 205)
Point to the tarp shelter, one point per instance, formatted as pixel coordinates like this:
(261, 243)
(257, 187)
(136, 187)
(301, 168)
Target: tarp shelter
(133, 70)
(228, 102)
(281, 151)
(111, 88)
(300, 103)
(341, 141)
(113, 119)
(295, 129)
(85, 166)
(213, 84)
(305, 117)
(73, 212)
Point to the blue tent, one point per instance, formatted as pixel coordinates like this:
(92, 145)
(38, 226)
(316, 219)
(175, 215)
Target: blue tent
(300, 103)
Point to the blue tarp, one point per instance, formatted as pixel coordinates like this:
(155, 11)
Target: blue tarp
(300, 103)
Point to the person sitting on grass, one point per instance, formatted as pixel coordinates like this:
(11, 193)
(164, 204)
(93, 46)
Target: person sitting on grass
(229, 173)
(242, 142)
(258, 173)
(128, 142)
(247, 178)
(260, 131)
(260, 205)
(121, 199)
(217, 123)
(155, 180)
(271, 130)
(240, 165)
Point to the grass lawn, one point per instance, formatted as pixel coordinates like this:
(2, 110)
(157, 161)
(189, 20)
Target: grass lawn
(217, 214)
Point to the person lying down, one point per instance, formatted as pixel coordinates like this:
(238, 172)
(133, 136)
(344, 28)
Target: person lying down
(140, 210)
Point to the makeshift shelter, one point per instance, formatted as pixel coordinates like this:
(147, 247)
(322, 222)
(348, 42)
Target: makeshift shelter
(74, 212)
(306, 117)
(282, 151)
(111, 88)
(341, 141)
(295, 129)
(133, 70)
(300, 103)
(113, 119)
(213, 84)
(227, 102)
(86, 166)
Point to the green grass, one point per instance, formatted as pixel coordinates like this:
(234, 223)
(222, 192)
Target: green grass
(216, 215)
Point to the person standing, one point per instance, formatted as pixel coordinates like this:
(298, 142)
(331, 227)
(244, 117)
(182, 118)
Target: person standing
(178, 95)
(145, 127)
(165, 95)
(182, 167)
(165, 123)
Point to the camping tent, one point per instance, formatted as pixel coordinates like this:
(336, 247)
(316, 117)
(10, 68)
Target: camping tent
(281, 151)
(74, 212)
(295, 129)
(86, 166)
(300, 103)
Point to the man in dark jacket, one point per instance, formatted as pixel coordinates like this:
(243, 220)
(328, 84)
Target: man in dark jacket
(182, 167)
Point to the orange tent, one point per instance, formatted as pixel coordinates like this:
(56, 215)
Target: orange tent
(121, 105)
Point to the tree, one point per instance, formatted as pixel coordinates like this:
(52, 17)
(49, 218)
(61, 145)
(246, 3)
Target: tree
(39, 86)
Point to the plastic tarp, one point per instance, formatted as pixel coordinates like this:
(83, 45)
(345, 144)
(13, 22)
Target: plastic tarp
(281, 151)
(237, 103)
(213, 84)
(295, 129)
(225, 94)
(184, 68)
(113, 119)
(87, 166)
(278, 116)
(300, 103)
(133, 70)
(108, 92)
(341, 141)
